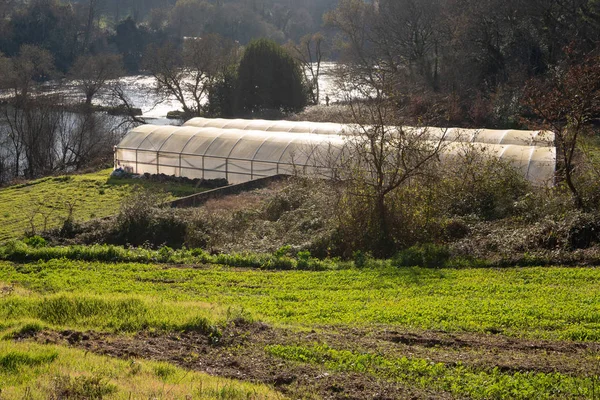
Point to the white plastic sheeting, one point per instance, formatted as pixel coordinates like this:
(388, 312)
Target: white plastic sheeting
(321, 128)
(235, 155)
(243, 150)
(489, 136)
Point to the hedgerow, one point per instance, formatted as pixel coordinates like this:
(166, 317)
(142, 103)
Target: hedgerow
(30, 250)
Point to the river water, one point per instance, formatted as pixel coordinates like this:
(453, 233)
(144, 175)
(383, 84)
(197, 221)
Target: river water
(139, 90)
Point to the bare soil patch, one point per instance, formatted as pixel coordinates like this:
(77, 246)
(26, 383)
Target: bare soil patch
(240, 354)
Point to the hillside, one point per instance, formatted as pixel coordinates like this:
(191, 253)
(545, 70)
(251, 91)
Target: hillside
(46, 202)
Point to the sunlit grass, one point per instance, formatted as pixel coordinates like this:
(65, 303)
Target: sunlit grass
(459, 379)
(41, 371)
(548, 302)
(46, 202)
(115, 312)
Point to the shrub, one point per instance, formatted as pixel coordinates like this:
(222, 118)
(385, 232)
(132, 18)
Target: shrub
(428, 255)
(456, 228)
(283, 251)
(35, 241)
(142, 220)
(481, 185)
(304, 260)
(361, 258)
(81, 388)
(584, 231)
(68, 228)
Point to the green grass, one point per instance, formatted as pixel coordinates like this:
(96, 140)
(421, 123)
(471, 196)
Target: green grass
(35, 249)
(34, 371)
(460, 380)
(114, 313)
(549, 302)
(46, 201)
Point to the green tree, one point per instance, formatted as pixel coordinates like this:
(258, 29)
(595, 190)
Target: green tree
(269, 78)
(130, 42)
(50, 25)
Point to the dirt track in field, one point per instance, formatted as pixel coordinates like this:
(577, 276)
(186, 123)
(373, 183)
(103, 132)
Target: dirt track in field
(240, 354)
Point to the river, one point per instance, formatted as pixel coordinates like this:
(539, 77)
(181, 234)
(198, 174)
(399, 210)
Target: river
(139, 91)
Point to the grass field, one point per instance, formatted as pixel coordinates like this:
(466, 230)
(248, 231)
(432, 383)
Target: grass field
(476, 333)
(542, 303)
(109, 322)
(46, 201)
(34, 371)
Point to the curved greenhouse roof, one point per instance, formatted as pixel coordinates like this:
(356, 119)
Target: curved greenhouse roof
(243, 150)
(321, 128)
(489, 136)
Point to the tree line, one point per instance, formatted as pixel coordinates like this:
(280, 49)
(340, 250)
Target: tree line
(441, 62)
(69, 29)
(471, 58)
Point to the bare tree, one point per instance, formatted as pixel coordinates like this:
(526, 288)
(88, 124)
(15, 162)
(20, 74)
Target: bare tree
(93, 73)
(89, 25)
(15, 136)
(187, 73)
(188, 17)
(21, 72)
(384, 156)
(33, 128)
(84, 139)
(567, 103)
(309, 53)
(122, 100)
(31, 121)
(407, 36)
(6, 7)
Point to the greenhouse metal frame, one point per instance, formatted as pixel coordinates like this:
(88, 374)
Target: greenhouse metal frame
(244, 150)
(211, 153)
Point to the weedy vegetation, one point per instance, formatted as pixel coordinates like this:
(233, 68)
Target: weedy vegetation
(536, 302)
(458, 379)
(35, 371)
(39, 205)
(222, 277)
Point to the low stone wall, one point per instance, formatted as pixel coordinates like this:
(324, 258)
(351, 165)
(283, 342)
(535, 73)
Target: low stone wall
(198, 199)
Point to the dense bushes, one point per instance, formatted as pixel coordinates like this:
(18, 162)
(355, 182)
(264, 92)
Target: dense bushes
(480, 185)
(141, 221)
(428, 255)
(435, 205)
(473, 208)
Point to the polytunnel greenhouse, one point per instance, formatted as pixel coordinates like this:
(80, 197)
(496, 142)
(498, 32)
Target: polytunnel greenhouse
(243, 150)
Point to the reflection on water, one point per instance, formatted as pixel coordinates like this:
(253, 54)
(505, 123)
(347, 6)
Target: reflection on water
(139, 90)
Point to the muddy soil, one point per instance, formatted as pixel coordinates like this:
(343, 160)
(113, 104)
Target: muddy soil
(240, 354)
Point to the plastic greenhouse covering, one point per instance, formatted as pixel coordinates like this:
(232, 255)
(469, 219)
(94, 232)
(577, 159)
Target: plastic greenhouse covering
(243, 150)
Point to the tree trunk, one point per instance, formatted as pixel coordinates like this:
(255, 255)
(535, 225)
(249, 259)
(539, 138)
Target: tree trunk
(384, 243)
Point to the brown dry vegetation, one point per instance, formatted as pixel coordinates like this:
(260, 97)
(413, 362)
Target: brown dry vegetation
(241, 355)
(477, 210)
